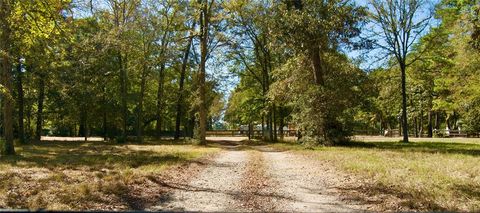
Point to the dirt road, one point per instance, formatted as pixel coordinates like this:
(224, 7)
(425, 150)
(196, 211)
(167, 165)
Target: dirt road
(258, 179)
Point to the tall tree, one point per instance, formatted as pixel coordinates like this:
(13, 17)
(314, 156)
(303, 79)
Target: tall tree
(181, 83)
(6, 76)
(205, 8)
(397, 25)
(324, 28)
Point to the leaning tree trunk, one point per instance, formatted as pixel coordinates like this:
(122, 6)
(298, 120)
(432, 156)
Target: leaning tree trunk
(178, 116)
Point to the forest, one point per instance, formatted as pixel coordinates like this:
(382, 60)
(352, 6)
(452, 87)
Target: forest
(120, 69)
(169, 73)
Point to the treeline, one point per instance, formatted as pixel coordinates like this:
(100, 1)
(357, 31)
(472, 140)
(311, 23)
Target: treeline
(429, 79)
(443, 80)
(293, 70)
(130, 68)
(111, 68)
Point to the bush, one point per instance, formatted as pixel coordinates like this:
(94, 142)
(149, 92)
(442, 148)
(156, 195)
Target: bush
(471, 120)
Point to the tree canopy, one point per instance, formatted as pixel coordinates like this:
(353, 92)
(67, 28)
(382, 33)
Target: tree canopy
(126, 69)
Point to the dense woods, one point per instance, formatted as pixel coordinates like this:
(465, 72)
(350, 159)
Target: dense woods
(126, 69)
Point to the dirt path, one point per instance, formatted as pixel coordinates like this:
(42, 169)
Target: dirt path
(214, 189)
(303, 184)
(257, 180)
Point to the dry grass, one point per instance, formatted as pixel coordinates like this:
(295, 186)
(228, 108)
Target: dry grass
(434, 176)
(254, 196)
(93, 175)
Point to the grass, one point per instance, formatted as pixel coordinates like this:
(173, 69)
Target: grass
(434, 176)
(92, 175)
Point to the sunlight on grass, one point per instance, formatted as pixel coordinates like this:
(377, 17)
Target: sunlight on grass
(96, 175)
(427, 175)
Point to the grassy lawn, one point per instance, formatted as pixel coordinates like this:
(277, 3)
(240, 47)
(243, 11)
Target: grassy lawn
(420, 175)
(93, 175)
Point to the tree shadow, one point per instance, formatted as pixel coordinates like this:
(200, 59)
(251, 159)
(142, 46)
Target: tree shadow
(243, 145)
(376, 193)
(426, 147)
(53, 155)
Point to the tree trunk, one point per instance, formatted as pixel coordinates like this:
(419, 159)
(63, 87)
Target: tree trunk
(416, 127)
(282, 123)
(105, 131)
(178, 116)
(161, 79)
(430, 125)
(250, 131)
(40, 100)
(20, 103)
(317, 66)
(204, 27)
(274, 123)
(123, 96)
(6, 80)
(263, 127)
(421, 122)
(28, 116)
(404, 103)
(139, 121)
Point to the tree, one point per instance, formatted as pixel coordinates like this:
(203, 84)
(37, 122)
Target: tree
(397, 24)
(181, 83)
(205, 15)
(312, 33)
(253, 57)
(6, 77)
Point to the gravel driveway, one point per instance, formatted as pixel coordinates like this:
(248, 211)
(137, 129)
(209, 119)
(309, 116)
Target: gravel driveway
(257, 179)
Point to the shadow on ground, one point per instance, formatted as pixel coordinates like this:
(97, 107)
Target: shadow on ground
(95, 155)
(426, 147)
(235, 145)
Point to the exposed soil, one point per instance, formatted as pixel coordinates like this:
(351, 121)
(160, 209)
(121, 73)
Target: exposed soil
(306, 186)
(259, 179)
(213, 189)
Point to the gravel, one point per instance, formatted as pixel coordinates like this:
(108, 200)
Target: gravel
(214, 189)
(304, 185)
(261, 179)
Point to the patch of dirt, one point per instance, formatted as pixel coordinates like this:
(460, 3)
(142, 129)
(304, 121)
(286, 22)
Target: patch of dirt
(213, 189)
(306, 186)
(256, 186)
(355, 190)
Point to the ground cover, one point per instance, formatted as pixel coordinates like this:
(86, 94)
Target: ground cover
(92, 175)
(413, 176)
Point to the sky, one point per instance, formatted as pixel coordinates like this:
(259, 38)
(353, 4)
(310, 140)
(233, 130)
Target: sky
(368, 62)
(218, 69)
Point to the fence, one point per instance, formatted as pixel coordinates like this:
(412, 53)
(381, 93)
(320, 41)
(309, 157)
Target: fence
(244, 133)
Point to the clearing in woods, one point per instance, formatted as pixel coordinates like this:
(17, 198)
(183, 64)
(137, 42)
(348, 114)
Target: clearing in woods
(233, 174)
(257, 178)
